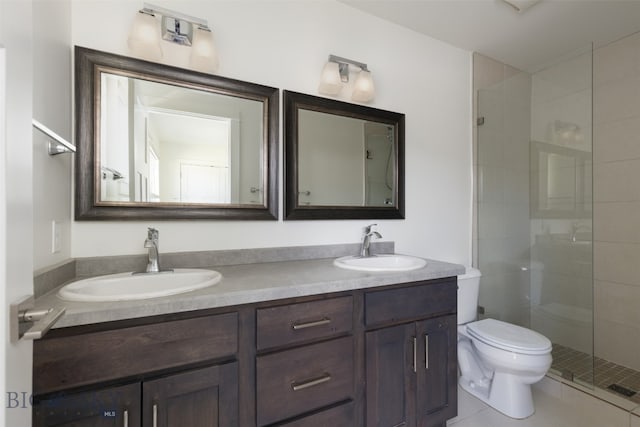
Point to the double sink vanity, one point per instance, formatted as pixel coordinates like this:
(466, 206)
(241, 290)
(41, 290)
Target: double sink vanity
(303, 336)
(294, 341)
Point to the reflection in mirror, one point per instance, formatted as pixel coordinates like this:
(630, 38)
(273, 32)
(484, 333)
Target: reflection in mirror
(560, 182)
(162, 142)
(343, 160)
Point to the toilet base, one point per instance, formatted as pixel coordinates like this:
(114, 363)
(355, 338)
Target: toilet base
(502, 393)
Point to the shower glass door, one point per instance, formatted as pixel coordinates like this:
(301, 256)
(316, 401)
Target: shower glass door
(533, 203)
(562, 212)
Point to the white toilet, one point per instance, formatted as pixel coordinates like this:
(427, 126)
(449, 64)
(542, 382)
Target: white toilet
(498, 361)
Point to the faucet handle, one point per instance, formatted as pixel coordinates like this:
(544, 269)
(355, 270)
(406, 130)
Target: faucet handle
(368, 228)
(152, 233)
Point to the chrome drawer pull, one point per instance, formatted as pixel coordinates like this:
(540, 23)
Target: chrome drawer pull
(415, 354)
(426, 352)
(155, 415)
(126, 418)
(323, 321)
(311, 383)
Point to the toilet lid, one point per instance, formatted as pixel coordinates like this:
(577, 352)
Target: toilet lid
(509, 337)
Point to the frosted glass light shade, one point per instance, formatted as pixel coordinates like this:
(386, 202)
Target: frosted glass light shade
(330, 82)
(204, 56)
(363, 89)
(144, 37)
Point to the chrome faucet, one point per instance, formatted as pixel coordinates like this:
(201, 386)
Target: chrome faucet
(575, 227)
(366, 240)
(153, 266)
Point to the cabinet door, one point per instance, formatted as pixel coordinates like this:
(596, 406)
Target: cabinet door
(390, 393)
(437, 371)
(205, 397)
(109, 407)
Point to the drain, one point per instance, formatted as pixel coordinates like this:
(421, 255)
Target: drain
(622, 390)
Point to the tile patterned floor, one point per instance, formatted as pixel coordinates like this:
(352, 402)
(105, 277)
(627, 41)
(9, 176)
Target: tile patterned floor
(571, 362)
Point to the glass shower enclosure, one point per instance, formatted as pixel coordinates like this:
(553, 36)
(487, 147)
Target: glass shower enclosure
(533, 202)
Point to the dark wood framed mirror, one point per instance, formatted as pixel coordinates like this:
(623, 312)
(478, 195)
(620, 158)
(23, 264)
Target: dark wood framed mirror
(342, 161)
(160, 142)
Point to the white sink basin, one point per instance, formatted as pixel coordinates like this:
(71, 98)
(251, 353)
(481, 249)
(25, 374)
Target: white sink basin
(381, 262)
(130, 286)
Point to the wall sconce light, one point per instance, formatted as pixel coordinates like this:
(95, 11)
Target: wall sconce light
(174, 27)
(336, 72)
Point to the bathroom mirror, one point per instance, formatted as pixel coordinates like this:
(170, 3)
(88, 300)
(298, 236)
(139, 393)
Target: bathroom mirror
(160, 142)
(561, 182)
(343, 161)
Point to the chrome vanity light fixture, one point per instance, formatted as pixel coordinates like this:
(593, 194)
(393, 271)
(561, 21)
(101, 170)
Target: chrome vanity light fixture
(336, 72)
(147, 33)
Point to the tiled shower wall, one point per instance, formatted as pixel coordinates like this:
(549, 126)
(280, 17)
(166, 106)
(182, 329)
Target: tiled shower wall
(617, 201)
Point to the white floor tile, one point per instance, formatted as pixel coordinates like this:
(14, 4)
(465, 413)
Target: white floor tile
(598, 412)
(549, 386)
(467, 406)
(575, 411)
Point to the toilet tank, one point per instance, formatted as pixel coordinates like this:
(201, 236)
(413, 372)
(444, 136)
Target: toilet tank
(468, 287)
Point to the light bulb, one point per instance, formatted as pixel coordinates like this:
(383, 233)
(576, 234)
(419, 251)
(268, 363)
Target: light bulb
(204, 56)
(144, 37)
(330, 82)
(363, 89)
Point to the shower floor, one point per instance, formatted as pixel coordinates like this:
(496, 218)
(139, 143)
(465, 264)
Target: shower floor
(573, 363)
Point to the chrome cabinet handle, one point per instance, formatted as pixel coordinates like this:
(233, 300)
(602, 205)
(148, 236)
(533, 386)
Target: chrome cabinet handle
(415, 354)
(296, 386)
(125, 417)
(155, 415)
(323, 321)
(426, 352)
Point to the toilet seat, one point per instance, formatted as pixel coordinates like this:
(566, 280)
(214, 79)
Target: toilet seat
(509, 337)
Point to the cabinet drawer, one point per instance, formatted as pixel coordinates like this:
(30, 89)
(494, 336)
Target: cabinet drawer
(412, 302)
(293, 323)
(293, 382)
(338, 416)
(76, 360)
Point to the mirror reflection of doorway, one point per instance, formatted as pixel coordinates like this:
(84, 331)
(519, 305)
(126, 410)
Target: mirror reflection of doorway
(204, 182)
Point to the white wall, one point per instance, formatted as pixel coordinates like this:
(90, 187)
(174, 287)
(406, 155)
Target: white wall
(285, 44)
(15, 35)
(3, 221)
(52, 107)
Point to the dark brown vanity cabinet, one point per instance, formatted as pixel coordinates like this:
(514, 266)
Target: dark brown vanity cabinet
(313, 366)
(205, 397)
(107, 407)
(154, 362)
(382, 357)
(411, 367)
